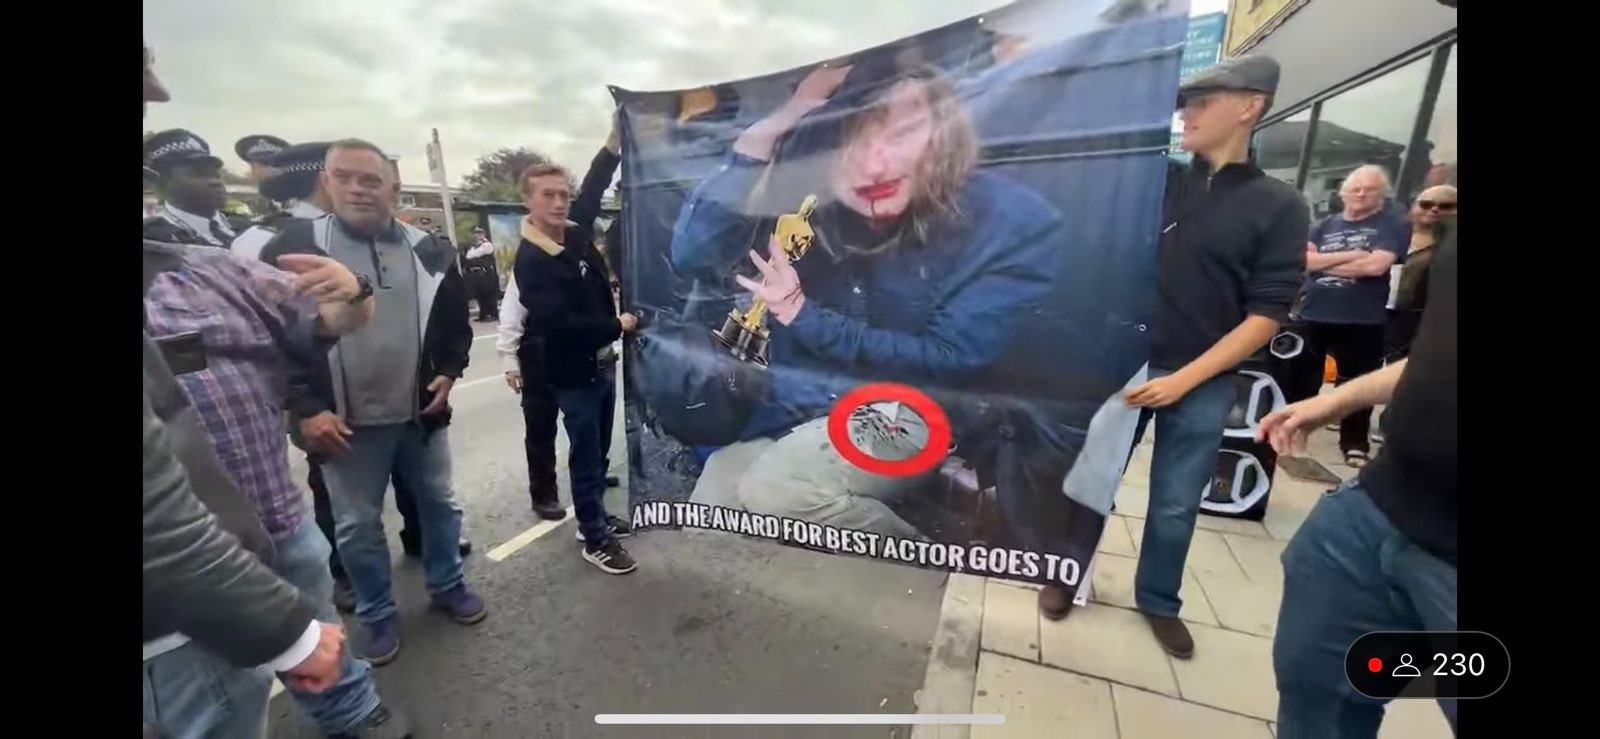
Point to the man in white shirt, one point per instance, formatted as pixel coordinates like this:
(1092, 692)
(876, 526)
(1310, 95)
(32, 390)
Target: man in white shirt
(539, 409)
(189, 178)
(482, 277)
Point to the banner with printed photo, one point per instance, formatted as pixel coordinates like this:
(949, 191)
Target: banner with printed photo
(889, 301)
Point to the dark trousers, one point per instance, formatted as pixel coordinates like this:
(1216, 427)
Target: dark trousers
(1398, 332)
(587, 412)
(485, 285)
(1357, 349)
(322, 508)
(539, 412)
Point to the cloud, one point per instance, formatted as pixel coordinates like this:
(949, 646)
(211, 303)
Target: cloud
(487, 73)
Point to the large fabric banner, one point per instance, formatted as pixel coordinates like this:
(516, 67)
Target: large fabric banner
(889, 301)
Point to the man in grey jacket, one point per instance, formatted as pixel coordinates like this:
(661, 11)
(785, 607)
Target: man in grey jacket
(211, 604)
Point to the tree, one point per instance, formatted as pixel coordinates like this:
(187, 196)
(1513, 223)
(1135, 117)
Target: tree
(495, 176)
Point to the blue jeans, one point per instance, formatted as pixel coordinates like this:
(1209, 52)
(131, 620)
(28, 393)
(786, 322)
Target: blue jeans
(1188, 438)
(587, 413)
(190, 693)
(303, 561)
(1346, 572)
(357, 481)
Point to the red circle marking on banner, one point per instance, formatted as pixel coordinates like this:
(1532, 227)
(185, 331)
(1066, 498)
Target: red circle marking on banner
(934, 452)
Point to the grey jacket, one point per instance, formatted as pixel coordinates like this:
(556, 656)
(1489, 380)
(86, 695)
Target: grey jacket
(205, 550)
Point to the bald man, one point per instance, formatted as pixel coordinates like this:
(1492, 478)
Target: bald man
(1346, 289)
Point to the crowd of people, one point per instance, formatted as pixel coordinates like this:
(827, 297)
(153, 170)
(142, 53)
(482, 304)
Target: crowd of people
(354, 327)
(1239, 261)
(334, 326)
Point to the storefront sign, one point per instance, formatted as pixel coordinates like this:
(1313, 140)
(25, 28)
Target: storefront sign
(1249, 21)
(1202, 49)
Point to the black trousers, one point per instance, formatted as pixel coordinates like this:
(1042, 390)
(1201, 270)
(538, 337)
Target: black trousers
(539, 437)
(485, 286)
(1357, 349)
(1398, 333)
(322, 509)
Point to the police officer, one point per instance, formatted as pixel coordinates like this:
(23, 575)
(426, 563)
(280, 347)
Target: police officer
(482, 276)
(258, 150)
(292, 181)
(189, 179)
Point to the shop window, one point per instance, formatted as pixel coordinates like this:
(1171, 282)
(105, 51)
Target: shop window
(1439, 162)
(1277, 147)
(1368, 124)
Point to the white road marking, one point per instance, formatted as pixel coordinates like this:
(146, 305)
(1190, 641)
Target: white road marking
(481, 380)
(484, 336)
(499, 553)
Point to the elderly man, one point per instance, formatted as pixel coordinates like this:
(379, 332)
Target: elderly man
(1346, 288)
(391, 386)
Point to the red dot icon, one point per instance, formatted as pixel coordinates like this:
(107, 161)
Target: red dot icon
(1374, 664)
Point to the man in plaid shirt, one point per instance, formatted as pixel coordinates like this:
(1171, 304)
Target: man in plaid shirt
(256, 325)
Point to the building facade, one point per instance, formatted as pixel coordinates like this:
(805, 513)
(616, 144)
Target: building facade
(1364, 82)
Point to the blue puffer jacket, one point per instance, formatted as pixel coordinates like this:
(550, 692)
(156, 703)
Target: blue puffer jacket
(932, 315)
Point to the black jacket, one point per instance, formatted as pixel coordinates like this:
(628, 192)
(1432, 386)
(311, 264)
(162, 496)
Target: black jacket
(571, 312)
(204, 545)
(446, 343)
(1233, 244)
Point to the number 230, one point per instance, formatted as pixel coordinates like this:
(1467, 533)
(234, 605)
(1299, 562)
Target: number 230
(1463, 664)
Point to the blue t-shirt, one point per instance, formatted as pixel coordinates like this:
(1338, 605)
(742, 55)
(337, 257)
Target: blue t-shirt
(1360, 300)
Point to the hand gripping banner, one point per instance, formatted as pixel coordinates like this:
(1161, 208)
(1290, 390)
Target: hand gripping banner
(888, 301)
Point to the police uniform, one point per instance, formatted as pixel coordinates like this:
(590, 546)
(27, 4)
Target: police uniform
(293, 182)
(483, 279)
(170, 223)
(257, 150)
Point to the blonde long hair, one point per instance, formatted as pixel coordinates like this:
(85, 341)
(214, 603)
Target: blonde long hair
(951, 156)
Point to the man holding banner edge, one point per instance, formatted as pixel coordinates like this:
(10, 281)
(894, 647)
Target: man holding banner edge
(1230, 261)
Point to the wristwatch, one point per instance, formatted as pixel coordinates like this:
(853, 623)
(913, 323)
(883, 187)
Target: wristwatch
(364, 288)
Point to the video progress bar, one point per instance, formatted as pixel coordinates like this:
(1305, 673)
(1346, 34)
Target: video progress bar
(797, 719)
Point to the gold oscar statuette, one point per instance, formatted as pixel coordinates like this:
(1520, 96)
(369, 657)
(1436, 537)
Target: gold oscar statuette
(745, 334)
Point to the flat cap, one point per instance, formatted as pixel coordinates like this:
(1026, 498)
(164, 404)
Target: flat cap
(1254, 73)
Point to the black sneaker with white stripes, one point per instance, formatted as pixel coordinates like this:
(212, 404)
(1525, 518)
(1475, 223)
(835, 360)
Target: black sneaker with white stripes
(611, 558)
(619, 528)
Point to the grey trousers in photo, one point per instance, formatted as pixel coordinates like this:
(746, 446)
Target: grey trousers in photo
(800, 476)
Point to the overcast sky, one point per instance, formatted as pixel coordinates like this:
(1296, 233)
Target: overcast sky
(486, 73)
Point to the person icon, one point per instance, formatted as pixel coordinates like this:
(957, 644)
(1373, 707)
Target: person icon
(1405, 668)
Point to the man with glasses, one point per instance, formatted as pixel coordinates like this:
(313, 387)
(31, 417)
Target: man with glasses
(391, 385)
(1342, 309)
(1431, 215)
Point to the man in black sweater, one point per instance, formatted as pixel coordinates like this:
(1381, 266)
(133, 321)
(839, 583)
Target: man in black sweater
(571, 323)
(1232, 253)
(1379, 553)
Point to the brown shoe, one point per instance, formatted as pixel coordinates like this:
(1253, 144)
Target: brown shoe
(1172, 634)
(1055, 602)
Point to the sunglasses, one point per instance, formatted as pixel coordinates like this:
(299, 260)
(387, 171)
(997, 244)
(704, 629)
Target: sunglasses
(1436, 205)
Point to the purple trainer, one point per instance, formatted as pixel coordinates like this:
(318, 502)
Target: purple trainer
(383, 641)
(461, 604)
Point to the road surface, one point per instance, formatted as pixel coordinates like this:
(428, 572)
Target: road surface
(710, 622)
